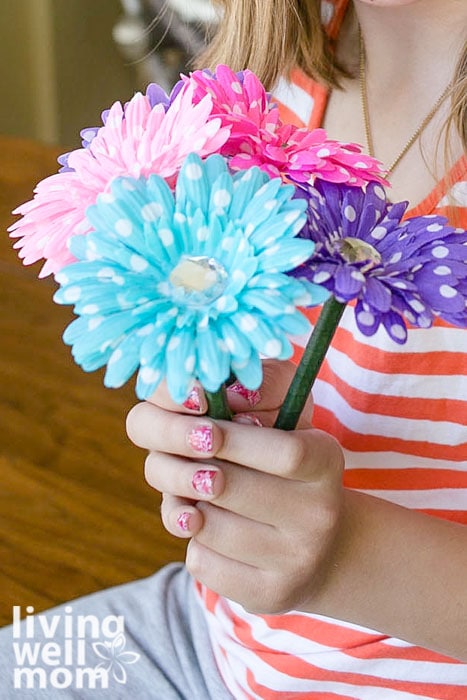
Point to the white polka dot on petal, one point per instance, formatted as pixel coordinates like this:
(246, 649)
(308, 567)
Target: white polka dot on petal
(202, 234)
(124, 227)
(116, 356)
(442, 270)
(193, 171)
(161, 338)
(398, 332)
(248, 323)
(270, 204)
(273, 348)
(94, 323)
(321, 277)
(290, 217)
(221, 303)
(238, 276)
(440, 251)
(323, 153)
(72, 294)
(379, 233)
(350, 213)
(145, 330)
(272, 251)
(357, 275)
(151, 211)
(236, 87)
(379, 192)
(230, 343)
(222, 198)
(227, 244)
(366, 318)
(149, 375)
(190, 363)
(417, 306)
(166, 237)
(447, 291)
(433, 228)
(173, 343)
(138, 264)
(90, 309)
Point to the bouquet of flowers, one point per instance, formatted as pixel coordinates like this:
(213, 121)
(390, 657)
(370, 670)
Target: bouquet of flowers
(192, 229)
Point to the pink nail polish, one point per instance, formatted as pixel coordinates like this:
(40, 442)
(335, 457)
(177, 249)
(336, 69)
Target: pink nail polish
(203, 481)
(253, 397)
(247, 419)
(183, 521)
(200, 438)
(193, 402)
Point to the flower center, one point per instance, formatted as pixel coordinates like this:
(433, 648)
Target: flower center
(354, 250)
(198, 280)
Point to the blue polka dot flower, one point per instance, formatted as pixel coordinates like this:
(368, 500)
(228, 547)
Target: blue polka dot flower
(189, 284)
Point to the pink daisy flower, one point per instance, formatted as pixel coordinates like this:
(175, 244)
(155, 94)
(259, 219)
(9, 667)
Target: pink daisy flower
(137, 140)
(258, 137)
(239, 100)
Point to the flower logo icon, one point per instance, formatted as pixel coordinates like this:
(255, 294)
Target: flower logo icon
(115, 657)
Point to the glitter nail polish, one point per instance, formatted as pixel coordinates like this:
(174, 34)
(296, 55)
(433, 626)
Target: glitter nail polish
(203, 481)
(193, 402)
(253, 397)
(200, 438)
(183, 521)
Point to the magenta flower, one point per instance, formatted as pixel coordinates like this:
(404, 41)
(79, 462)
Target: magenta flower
(258, 137)
(135, 141)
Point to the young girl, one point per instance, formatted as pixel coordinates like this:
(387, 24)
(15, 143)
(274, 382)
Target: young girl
(329, 562)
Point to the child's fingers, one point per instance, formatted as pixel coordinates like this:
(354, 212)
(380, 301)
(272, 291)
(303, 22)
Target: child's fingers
(180, 516)
(194, 404)
(277, 377)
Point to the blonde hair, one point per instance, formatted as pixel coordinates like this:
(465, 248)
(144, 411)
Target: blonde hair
(270, 37)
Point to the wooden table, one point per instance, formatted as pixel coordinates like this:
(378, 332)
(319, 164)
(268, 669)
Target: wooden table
(75, 513)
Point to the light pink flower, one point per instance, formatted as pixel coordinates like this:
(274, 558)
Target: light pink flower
(135, 141)
(258, 137)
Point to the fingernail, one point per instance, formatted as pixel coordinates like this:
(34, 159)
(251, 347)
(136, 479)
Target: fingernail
(193, 401)
(203, 481)
(200, 438)
(247, 419)
(183, 521)
(253, 397)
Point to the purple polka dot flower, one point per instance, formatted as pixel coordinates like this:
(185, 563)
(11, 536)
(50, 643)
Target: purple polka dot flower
(397, 272)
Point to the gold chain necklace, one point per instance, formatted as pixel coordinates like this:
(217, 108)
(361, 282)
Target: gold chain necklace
(366, 115)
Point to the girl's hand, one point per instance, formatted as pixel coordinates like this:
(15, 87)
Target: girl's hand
(262, 507)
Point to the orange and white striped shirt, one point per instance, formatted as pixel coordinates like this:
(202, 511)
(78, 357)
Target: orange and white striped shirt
(400, 414)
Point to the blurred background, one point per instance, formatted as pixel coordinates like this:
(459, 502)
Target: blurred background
(75, 513)
(64, 61)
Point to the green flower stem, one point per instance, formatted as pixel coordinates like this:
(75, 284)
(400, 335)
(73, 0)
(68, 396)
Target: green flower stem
(217, 404)
(310, 364)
